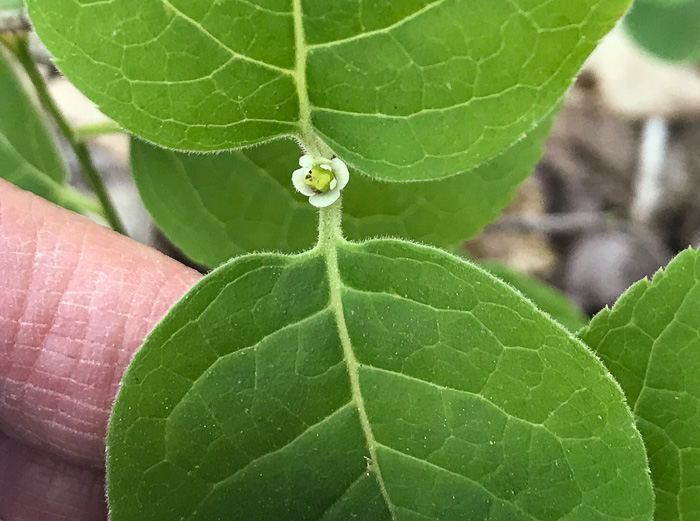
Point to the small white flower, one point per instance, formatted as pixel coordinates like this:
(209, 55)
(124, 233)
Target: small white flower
(320, 179)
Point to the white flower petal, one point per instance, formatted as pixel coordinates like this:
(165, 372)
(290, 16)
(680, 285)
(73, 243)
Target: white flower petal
(299, 184)
(341, 172)
(323, 200)
(341, 176)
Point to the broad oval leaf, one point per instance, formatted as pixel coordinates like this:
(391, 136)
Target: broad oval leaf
(376, 381)
(649, 341)
(669, 29)
(407, 90)
(28, 156)
(215, 207)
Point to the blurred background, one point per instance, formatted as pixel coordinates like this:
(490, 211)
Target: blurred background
(617, 193)
(614, 197)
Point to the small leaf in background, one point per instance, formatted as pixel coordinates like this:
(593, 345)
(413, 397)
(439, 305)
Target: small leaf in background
(215, 207)
(23, 126)
(650, 342)
(669, 29)
(400, 90)
(28, 155)
(376, 381)
(11, 5)
(547, 298)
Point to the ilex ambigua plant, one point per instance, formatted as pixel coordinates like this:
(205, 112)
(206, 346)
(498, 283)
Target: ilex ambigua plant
(349, 375)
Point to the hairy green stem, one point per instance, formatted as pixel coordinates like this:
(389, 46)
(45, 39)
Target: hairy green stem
(330, 225)
(20, 48)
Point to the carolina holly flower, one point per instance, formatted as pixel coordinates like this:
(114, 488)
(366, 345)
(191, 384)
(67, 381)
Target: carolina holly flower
(320, 179)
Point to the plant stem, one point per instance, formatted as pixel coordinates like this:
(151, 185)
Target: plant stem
(21, 51)
(85, 132)
(83, 202)
(13, 21)
(330, 225)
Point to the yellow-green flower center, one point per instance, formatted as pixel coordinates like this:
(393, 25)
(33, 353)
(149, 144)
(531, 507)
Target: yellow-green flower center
(319, 178)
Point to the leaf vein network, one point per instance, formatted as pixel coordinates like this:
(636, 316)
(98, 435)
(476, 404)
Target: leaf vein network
(221, 44)
(382, 30)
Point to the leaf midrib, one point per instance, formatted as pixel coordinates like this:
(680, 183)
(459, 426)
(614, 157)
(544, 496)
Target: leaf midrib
(336, 285)
(301, 53)
(336, 306)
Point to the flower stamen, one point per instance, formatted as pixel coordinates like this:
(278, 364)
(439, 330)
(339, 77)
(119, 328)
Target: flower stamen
(321, 179)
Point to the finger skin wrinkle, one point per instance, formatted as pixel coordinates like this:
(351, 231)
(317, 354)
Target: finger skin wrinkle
(76, 301)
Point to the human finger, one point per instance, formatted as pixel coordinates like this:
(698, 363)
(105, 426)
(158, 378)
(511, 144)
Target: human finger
(76, 301)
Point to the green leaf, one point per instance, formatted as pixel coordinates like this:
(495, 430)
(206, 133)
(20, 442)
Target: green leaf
(28, 156)
(11, 5)
(214, 207)
(376, 381)
(669, 2)
(409, 90)
(666, 28)
(545, 297)
(649, 341)
(23, 126)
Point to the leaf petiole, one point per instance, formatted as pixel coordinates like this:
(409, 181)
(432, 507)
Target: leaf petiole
(19, 46)
(85, 132)
(330, 225)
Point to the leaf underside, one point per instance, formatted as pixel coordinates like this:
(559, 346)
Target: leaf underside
(665, 28)
(649, 341)
(408, 90)
(375, 381)
(215, 207)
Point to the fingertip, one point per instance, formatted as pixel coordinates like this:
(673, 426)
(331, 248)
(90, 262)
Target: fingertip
(76, 301)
